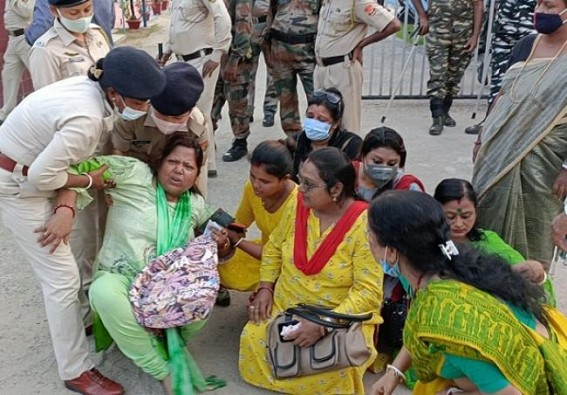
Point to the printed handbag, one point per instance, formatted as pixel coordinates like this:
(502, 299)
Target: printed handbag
(177, 288)
(342, 347)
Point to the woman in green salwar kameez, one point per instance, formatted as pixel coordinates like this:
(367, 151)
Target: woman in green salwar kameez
(518, 173)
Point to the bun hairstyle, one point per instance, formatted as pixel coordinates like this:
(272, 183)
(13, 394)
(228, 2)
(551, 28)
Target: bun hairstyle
(415, 225)
(95, 72)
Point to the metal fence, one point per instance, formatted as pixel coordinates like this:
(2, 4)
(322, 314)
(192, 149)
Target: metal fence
(398, 65)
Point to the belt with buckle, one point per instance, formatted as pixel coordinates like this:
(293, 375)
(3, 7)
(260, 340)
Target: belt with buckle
(15, 33)
(333, 60)
(9, 164)
(196, 54)
(293, 38)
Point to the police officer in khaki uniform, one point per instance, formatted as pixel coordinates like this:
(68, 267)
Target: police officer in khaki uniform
(199, 34)
(171, 111)
(70, 47)
(341, 36)
(17, 16)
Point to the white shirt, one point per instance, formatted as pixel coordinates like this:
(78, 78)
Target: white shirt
(56, 127)
(199, 24)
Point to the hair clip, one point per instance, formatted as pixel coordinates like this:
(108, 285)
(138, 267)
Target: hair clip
(96, 73)
(449, 249)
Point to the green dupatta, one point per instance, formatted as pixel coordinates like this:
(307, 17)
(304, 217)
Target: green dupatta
(186, 376)
(452, 317)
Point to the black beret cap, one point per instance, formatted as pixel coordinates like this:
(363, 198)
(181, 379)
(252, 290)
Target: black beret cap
(66, 3)
(182, 90)
(132, 72)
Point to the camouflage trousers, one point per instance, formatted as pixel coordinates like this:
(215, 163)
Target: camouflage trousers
(271, 95)
(447, 59)
(289, 62)
(236, 95)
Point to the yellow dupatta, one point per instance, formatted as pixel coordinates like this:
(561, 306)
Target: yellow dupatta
(452, 317)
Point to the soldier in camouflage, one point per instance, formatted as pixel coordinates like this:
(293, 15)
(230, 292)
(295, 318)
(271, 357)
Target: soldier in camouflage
(293, 27)
(236, 71)
(258, 45)
(514, 20)
(454, 29)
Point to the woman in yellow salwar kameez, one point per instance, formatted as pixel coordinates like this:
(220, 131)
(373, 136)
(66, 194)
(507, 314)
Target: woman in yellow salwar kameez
(475, 326)
(520, 173)
(265, 195)
(345, 277)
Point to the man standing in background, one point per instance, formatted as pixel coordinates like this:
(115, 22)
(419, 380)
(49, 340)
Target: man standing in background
(199, 34)
(17, 17)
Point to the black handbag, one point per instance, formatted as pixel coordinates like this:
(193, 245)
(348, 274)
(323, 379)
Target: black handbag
(391, 331)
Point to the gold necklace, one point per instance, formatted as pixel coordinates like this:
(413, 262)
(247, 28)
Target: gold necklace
(535, 85)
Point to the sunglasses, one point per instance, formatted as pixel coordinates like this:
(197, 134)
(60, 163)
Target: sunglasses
(331, 97)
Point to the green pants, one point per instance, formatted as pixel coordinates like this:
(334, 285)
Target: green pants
(109, 299)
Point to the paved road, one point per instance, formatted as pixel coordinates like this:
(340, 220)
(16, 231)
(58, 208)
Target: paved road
(27, 364)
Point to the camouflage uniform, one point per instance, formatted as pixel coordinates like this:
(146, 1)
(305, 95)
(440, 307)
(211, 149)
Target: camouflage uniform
(258, 45)
(450, 27)
(293, 27)
(514, 20)
(236, 93)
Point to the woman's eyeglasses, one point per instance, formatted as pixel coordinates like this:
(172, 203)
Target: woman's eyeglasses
(331, 97)
(308, 185)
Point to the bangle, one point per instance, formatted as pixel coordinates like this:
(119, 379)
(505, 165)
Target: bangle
(544, 279)
(454, 391)
(238, 242)
(264, 287)
(564, 165)
(90, 184)
(66, 206)
(397, 372)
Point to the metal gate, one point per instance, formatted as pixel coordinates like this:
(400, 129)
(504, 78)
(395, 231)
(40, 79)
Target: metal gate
(399, 66)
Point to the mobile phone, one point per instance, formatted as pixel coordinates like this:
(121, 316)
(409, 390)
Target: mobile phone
(282, 325)
(160, 50)
(238, 228)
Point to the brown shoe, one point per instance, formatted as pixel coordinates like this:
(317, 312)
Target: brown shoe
(93, 382)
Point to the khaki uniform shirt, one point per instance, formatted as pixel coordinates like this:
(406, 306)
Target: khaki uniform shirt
(143, 140)
(199, 24)
(344, 23)
(18, 14)
(57, 54)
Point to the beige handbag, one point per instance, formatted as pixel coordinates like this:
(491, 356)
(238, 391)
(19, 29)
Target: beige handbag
(342, 347)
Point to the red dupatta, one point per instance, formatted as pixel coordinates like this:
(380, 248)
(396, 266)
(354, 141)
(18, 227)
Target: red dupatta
(329, 246)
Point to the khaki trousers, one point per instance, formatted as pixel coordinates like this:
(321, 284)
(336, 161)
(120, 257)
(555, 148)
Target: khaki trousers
(23, 210)
(205, 104)
(347, 77)
(16, 59)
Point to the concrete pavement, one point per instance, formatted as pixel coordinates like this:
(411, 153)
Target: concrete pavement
(27, 364)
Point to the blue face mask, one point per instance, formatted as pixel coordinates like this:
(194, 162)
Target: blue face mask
(366, 193)
(548, 23)
(129, 114)
(316, 130)
(394, 271)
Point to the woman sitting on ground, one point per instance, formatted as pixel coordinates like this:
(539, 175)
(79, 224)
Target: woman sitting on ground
(322, 128)
(491, 313)
(382, 165)
(333, 268)
(459, 201)
(263, 202)
(131, 238)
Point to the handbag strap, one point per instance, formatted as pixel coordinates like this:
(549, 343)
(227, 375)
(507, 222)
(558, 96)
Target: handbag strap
(309, 316)
(327, 312)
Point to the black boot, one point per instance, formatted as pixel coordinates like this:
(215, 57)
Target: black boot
(238, 150)
(437, 113)
(447, 103)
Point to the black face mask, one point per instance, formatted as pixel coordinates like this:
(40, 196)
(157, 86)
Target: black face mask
(548, 23)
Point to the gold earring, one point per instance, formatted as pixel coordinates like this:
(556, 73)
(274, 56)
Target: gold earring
(334, 198)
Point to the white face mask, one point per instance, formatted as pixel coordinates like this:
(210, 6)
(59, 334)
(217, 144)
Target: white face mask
(129, 114)
(80, 25)
(166, 127)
